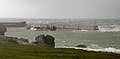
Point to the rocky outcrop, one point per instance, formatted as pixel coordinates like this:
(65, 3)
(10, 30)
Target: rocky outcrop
(14, 40)
(81, 46)
(2, 29)
(22, 41)
(44, 40)
(41, 40)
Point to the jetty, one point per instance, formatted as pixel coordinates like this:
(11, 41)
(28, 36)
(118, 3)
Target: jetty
(14, 24)
(61, 26)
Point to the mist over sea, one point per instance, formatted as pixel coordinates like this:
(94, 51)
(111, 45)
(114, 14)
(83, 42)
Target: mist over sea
(107, 38)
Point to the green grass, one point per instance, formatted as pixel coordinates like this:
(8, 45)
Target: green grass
(14, 51)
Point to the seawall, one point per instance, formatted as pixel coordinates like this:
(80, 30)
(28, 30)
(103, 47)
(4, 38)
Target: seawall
(14, 24)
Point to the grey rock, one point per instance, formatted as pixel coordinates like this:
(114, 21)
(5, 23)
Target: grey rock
(43, 40)
(81, 46)
(3, 29)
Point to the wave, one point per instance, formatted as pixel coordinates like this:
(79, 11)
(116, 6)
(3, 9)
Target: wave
(76, 31)
(109, 49)
(93, 47)
(109, 28)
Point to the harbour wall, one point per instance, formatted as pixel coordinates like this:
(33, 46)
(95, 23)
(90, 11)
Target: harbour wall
(14, 24)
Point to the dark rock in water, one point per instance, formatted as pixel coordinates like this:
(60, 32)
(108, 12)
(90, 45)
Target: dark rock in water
(96, 28)
(43, 40)
(81, 46)
(49, 39)
(3, 29)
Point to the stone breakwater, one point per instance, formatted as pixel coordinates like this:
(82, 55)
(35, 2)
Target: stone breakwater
(63, 26)
(14, 24)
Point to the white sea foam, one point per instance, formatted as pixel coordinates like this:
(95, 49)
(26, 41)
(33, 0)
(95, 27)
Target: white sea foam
(33, 29)
(103, 50)
(109, 49)
(81, 31)
(85, 30)
(109, 28)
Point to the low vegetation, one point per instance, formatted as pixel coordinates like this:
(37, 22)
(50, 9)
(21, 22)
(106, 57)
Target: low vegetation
(10, 50)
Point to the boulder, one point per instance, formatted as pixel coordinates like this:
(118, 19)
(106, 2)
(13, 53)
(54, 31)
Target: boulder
(81, 46)
(2, 29)
(44, 40)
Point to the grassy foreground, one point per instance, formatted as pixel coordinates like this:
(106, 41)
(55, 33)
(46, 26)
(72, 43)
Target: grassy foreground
(14, 51)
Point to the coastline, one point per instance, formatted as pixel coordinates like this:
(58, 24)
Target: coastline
(104, 49)
(66, 52)
(14, 51)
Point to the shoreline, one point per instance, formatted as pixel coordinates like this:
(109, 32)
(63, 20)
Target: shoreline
(109, 49)
(11, 50)
(22, 41)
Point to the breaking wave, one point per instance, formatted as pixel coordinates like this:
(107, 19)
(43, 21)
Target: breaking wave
(103, 28)
(76, 31)
(109, 49)
(109, 28)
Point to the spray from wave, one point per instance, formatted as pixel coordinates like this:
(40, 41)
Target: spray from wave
(109, 28)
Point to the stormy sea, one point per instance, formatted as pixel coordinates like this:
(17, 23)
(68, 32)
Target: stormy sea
(107, 38)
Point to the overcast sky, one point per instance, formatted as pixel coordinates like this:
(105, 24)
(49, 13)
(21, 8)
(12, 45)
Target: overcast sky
(60, 9)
